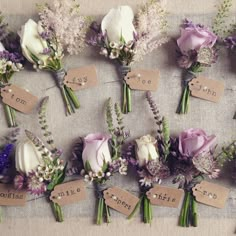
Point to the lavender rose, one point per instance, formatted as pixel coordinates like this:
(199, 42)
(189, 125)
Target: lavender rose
(195, 37)
(193, 142)
(96, 152)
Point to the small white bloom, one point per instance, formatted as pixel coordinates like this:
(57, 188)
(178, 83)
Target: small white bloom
(108, 174)
(114, 54)
(104, 52)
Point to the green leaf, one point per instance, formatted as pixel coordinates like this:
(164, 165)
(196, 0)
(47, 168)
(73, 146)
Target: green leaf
(105, 166)
(87, 166)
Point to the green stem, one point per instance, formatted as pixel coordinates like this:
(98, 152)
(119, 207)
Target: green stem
(57, 211)
(66, 101)
(194, 212)
(13, 115)
(124, 106)
(1, 215)
(8, 115)
(184, 102)
(108, 218)
(128, 97)
(145, 210)
(184, 215)
(73, 97)
(136, 208)
(100, 211)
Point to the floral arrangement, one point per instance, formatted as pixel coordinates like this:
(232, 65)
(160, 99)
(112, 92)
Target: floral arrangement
(193, 157)
(39, 167)
(6, 164)
(44, 43)
(100, 157)
(196, 50)
(11, 61)
(126, 39)
(149, 155)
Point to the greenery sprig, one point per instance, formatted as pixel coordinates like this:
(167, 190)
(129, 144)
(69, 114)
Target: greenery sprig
(117, 132)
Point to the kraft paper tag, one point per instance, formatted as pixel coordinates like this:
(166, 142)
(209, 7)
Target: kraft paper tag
(120, 200)
(208, 89)
(211, 194)
(165, 196)
(18, 98)
(68, 193)
(81, 78)
(146, 80)
(11, 197)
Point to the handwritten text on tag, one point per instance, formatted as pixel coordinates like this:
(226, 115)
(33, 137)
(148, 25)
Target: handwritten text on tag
(81, 78)
(11, 197)
(165, 196)
(68, 193)
(18, 98)
(208, 89)
(120, 200)
(146, 80)
(211, 194)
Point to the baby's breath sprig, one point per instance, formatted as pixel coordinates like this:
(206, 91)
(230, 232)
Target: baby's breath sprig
(44, 125)
(219, 23)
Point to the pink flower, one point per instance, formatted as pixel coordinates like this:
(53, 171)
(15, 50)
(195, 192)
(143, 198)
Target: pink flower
(193, 142)
(194, 37)
(96, 152)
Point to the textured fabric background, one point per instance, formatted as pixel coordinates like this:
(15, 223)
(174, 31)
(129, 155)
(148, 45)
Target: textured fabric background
(36, 218)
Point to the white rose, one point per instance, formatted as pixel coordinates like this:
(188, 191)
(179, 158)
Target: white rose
(27, 157)
(96, 152)
(2, 47)
(146, 149)
(32, 42)
(119, 23)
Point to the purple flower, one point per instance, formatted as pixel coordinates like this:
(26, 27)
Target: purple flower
(34, 185)
(19, 181)
(195, 37)
(230, 42)
(194, 142)
(5, 162)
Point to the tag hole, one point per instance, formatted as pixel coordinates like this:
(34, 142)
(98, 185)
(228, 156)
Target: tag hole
(114, 197)
(154, 196)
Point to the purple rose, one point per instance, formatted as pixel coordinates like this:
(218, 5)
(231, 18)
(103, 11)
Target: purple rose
(96, 151)
(194, 37)
(193, 142)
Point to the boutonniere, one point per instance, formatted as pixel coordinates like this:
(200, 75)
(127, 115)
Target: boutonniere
(194, 157)
(196, 50)
(44, 43)
(100, 157)
(11, 61)
(126, 38)
(40, 168)
(149, 155)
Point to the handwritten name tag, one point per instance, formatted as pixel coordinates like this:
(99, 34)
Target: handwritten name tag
(165, 196)
(68, 193)
(11, 197)
(120, 200)
(18, 98)
(211, 194)
(208, 89)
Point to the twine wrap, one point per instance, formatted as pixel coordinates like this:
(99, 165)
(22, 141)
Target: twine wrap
(145, 189)
(188, 77)
(99, 188)
(59, 76)
(124, 70)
